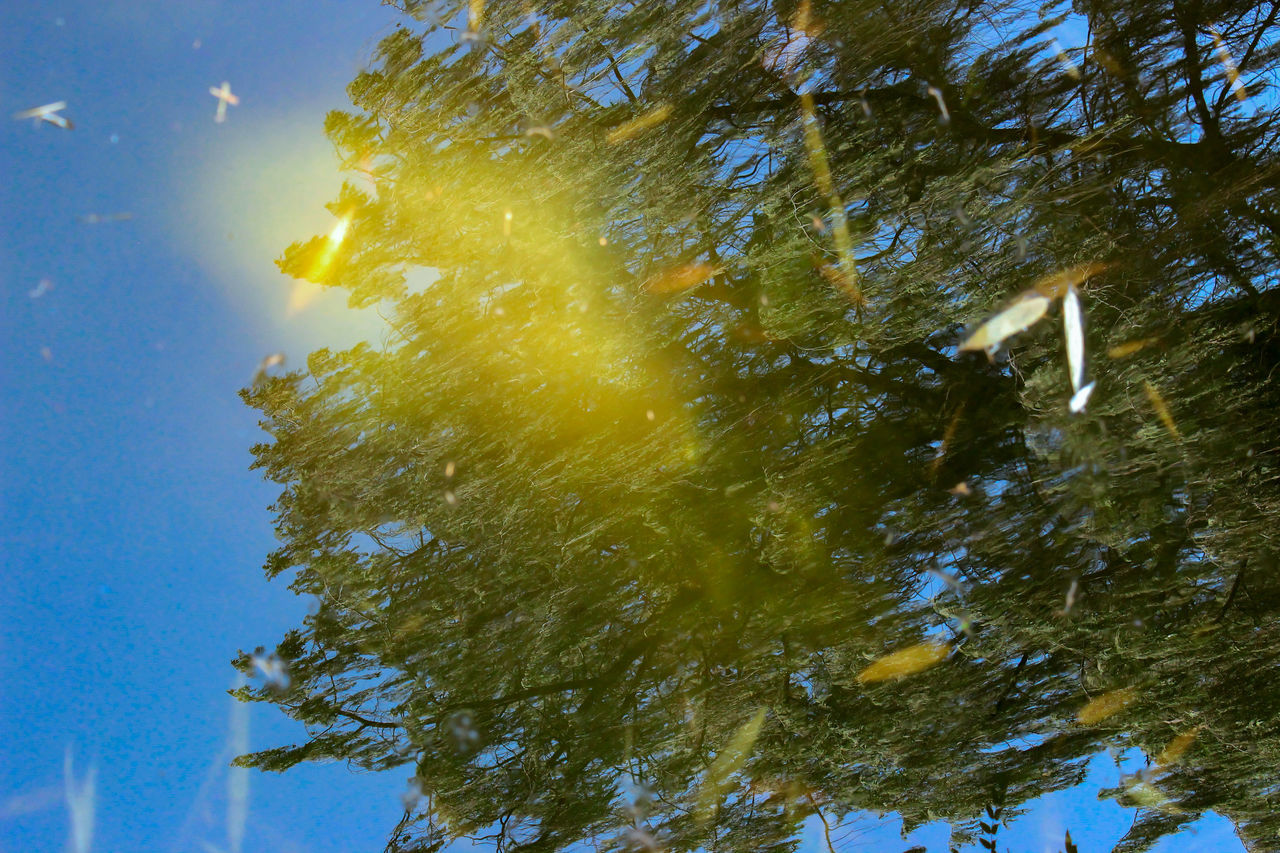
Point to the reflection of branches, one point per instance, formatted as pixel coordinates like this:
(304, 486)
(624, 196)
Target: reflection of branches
(364, 721)
(826, 827)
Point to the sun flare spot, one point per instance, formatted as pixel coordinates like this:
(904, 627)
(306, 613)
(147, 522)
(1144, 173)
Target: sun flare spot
(339, 232)
(273, 184)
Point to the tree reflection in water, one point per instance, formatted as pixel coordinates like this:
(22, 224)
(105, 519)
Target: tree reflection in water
(678, 481)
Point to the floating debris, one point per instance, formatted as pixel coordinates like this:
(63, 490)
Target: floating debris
(1128, 348)
(1228, 65)
(1030, 306)
(1106, 705)
(682, 278)
(1056, 284)
(639, 124)
(1071, 596)
(30, 802)
(47, 113)
(728, 762)
(842, 282)
(412, 794)
(42, 287)
(1176, 748)
(944, 117)
(276, 359)
(1025, 312)
(905, 662)
(1161, 409)
(450, 469)
(961, 489)
(1070, 68)
(101, 218)
(224, 96)
(1080, 399)
(1073, 329)
(847, 279)
(462, 731)
(81, 798)
(949, 581)
(273, 670)
(1145, 795)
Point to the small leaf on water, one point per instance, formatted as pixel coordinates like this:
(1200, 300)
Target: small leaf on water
(1106, 705)
(1056, 284)
(1176, 748)
(1021, 315)
(639, 124)
(1148, 796)
(1161, 408)
(1128, 348)
(681, 278)
(843, 282)
(904, 662)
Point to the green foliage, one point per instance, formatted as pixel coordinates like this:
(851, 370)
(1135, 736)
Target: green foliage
(656, 450)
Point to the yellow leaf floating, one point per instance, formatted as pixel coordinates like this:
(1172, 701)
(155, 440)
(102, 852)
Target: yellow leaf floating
(1176, 748)
(1162, 409)
(842, 275)
(1029, 307)
(1128, 348)
(1228, 65)
(681, 278)
(843, 282)
(1106, 705)
(1148, 796)
(1057, 284)
(904, 662)
(728, 762)
(1025, 312)
(639, 124)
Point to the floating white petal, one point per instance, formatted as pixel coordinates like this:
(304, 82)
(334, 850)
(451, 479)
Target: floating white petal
(1073, 324)
(1081, 398)
(1018, 317)
(49, 113)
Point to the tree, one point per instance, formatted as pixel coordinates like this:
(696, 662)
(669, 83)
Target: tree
(679, 441)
